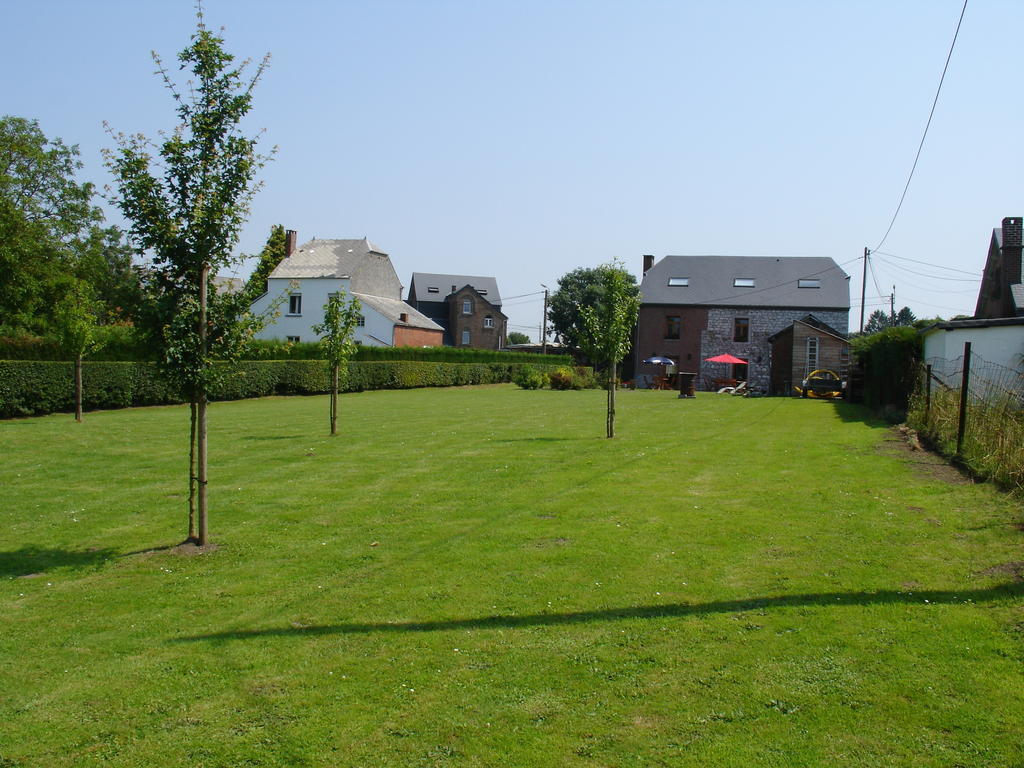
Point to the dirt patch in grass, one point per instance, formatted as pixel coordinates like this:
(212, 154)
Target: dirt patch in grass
(190, 549)
(1014, 569)
(905, 443)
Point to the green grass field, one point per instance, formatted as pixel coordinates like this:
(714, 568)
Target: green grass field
(476, 577)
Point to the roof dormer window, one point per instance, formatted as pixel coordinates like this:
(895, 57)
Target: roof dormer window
(808, 283)
(743, 282)
(679, 281)
(433, 289)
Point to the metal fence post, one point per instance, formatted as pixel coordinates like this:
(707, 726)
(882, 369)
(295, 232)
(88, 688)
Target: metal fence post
(964, 394)
(927, 392)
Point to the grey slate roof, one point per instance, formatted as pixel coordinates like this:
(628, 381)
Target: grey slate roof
(392, 309)
(366, 265)
(421, 281)
(775, 282)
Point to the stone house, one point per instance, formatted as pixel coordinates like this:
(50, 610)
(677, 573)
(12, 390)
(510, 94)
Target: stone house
(466, 306)
(696, 307)
(309, 274)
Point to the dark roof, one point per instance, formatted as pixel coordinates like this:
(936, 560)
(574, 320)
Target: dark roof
(952, 325)
(711, 282)
(422, 281)
(813, 322)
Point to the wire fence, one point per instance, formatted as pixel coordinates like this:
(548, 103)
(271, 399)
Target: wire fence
(973, 410)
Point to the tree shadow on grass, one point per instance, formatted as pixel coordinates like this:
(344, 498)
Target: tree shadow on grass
(921, 598)
(31, 560)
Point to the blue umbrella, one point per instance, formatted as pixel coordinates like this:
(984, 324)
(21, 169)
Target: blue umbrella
(657, 360)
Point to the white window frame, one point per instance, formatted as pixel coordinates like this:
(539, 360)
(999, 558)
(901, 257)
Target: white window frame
(488, 322)
(679, 282)
(466, 336)
(292, 339)
(743, 282)
(467, 307)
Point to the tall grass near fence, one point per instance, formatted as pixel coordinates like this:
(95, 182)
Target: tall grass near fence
(983, 430)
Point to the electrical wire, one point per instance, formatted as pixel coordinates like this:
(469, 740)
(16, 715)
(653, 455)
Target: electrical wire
(926, 263)
(927, 125)
(934, 277)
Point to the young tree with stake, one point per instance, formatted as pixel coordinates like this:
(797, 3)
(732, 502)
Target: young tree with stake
(76, 319)
(608, 325)
(186, 207)
(340, 320)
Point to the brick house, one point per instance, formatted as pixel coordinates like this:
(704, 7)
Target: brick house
(803, 347)
(467, 307)
(695, 307)
(1002, 284)
(310, 273)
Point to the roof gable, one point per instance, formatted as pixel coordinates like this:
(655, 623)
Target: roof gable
(367, 266)
(747, 281)
(429, 286)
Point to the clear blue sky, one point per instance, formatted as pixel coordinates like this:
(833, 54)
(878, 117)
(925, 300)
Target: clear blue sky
(524, 139)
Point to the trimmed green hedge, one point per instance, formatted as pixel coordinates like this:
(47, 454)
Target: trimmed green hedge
(889, 359)
(30, 387)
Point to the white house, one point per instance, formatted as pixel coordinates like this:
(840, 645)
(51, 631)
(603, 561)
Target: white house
(309, 274)
(997, 340)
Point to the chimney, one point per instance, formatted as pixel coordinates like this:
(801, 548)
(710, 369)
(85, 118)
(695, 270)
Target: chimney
(648, 262)
(1012, 231)
(290, 236)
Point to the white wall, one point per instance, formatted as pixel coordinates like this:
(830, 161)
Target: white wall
(1003, 345)
(378, 331)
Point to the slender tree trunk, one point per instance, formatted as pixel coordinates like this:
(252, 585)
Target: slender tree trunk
(334, 399)
(201, 414)
(192, 536)
(611, 400)
(78, 387)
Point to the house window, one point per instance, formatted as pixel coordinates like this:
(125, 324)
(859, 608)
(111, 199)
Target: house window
(292, 339)
(488, 322)
(295, 304)
(672, 325)
(679, 281)
(433, 289)
(465, 337)
(743, 282)
(467, 307)
(808, 283)
(482, 292)
(812, 355)
(361, 321)
(741, 329)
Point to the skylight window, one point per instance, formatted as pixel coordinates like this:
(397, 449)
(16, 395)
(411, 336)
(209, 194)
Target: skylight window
(677, 281)
(433, 289)
(808, 283)
(743, 282)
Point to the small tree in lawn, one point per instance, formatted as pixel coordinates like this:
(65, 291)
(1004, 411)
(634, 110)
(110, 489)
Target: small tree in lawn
(608, 325)
(186, 208)
(76, 318)
(337, 329)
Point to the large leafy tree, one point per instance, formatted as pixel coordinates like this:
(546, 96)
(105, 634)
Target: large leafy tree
(577, 289)
(608, 325)
(48, 223)
(341, 316)
(186, 207)
(515, 337)
(879, 320)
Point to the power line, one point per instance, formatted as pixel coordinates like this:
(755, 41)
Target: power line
(934, 277)
(927, 125)
(927, 263)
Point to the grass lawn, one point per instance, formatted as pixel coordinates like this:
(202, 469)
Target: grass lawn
(476, 577)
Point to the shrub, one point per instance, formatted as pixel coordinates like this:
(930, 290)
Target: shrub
(889, 359)
(528, 377)
(562, 378)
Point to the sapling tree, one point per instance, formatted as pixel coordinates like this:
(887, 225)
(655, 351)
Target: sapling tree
(186, 199)
(338, 328)
(76, 318)
(608, 324)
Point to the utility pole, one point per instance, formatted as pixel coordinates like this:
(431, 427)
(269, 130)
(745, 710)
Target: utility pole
(863, 287)
(892, 307)
(544, 324)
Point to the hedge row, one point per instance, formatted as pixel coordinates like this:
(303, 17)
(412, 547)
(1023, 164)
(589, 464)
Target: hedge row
(123, 344)
(29, 387)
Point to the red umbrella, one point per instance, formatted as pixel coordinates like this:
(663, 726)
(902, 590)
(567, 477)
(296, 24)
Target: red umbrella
(725, 359)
